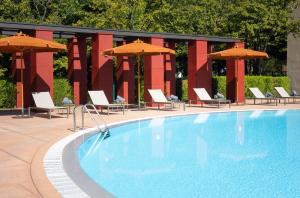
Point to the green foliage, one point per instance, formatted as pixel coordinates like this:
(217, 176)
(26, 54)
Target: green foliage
(60, 66)
(62, 88)
(7, 94)
(264, 83)
(219, 85)
(263, 25)
(185, 90)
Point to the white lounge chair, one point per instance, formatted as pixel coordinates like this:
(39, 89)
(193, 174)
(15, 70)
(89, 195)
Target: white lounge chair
(43, 101)
(159, 98)
(205, 98)
(99, 99)
(258, 95)
(284, 94)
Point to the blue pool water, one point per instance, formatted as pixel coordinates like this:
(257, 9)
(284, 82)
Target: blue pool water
(234, 154)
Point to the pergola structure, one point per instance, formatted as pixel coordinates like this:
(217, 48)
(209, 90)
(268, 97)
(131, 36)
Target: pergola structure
(159, 71)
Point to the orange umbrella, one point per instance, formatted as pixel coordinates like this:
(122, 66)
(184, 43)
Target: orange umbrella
(24, 43)
(138, 48)
(237, 53)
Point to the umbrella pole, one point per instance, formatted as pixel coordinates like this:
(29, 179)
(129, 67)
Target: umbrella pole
(237, 84)
(22, 82)
(139, 82)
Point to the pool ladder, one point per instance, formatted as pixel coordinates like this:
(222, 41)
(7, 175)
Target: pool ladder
(87, 109)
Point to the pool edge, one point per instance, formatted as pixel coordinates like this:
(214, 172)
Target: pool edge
(62, 166)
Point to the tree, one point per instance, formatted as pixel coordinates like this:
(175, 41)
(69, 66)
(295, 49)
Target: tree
(263, 25)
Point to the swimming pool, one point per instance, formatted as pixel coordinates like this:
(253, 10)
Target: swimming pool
(230, 154)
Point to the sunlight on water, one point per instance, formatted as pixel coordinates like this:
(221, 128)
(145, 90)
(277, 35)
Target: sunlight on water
(233, 154)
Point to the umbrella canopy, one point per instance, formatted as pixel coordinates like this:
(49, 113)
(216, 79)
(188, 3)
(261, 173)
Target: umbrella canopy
(238, 53)
(138, 48)
(24, 43)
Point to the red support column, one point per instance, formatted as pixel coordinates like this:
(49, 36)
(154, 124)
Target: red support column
(199, 72)
(16, 72)
(235, 78)
(153, 70)
(42, 65)
(170, 69)
(125, 76)
(210, 49)
(77, 59)
(102, 66)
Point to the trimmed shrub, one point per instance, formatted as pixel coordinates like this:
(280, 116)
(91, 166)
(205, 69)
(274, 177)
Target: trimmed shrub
(219, 85)
(184, 90)
(62, 88)
(7, 94)
(264, 83)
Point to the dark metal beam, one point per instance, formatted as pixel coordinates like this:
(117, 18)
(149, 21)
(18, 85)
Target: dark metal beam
(60, 31)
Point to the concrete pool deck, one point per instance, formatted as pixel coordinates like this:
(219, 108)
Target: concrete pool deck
(24, 142)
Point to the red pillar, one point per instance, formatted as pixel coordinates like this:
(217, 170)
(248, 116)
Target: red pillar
(16, 72)
(102, 66)
(210, 49)
(153, 70)
(170, 69)
(199, 72)
(42, 65)
(125, 76)
(235, 78)
(77, 59)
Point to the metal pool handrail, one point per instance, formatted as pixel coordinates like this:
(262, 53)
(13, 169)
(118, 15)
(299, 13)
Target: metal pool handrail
(84, 108)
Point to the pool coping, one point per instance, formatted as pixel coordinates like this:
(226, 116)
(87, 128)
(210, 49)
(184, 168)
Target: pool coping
(70, 180)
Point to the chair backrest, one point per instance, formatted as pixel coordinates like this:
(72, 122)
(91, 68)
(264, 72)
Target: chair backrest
(98, 97)
(256, 92)
(157, 95)
(202, 93)
(281, 91)
(43, 100)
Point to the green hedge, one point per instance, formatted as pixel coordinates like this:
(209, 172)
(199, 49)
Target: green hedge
(62, 88)
(184, 90)
(7, 94)
(264, 83)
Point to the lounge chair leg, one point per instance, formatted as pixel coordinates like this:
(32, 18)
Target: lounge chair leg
(28, 111)
(49, 112)
(108, 110)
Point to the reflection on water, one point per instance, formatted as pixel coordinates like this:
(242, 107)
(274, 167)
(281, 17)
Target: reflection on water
(240, 133)
(199, 155)
(158, 137)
